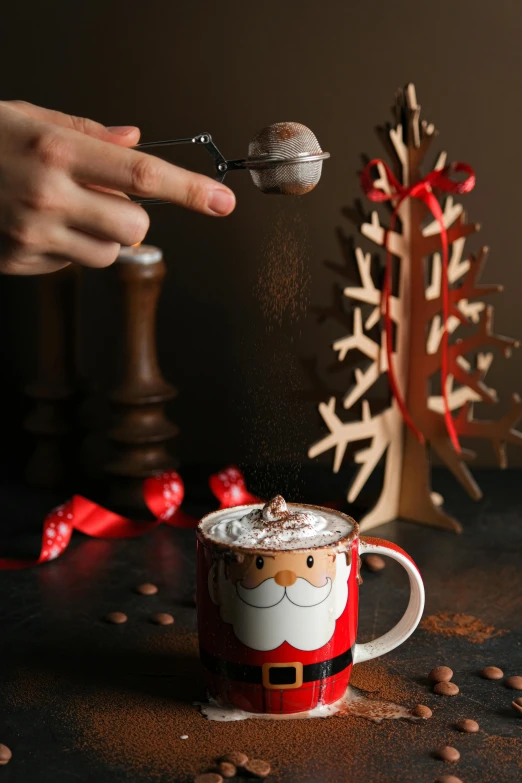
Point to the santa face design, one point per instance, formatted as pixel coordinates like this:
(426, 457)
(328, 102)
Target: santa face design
(293, 597)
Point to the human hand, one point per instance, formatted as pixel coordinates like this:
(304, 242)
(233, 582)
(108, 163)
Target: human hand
(63, 181)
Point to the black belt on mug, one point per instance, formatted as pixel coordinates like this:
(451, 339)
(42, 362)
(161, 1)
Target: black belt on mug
(276, 675)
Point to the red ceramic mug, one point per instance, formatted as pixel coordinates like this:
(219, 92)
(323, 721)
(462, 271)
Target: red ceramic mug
(277, 628)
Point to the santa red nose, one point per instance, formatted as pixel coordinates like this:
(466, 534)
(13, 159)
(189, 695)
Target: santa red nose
(285, 578)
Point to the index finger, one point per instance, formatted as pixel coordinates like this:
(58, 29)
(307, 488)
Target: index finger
(96, 162)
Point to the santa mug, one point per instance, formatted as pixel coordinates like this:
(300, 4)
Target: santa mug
(277, 627)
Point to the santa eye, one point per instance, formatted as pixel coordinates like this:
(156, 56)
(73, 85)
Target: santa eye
(309, 561)
(260, 563)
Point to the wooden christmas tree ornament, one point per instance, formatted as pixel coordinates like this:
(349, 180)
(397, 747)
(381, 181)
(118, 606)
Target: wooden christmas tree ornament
(424, 348)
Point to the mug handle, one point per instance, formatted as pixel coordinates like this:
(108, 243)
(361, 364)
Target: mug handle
(411, 617)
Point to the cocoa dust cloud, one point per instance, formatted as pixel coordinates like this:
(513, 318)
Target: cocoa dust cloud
(283, 285)
(274, 414)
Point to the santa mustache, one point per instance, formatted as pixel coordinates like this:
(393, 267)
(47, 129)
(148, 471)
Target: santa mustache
(269, 593)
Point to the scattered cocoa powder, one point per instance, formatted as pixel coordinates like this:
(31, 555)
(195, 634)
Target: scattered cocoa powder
(377, 679)
(500, 758)
(464, 625)
(134, 722)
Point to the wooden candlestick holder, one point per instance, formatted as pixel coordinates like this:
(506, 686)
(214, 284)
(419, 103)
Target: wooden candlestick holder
(140, 429)
(53, 459)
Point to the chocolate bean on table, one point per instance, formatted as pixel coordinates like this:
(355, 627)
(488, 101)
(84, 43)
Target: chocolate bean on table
(448, 779)
(446, 689)
(208, 777)
(116, 618)
(162, 618)
(447, 753)
(441, 674)
(514, 682)
(467, 725)
(421, 711)
(374, 562)
(258, 768)
(492, 673)
(227, 769)
(147, 589)
(235, 757)
(517, 706)
(5, 754)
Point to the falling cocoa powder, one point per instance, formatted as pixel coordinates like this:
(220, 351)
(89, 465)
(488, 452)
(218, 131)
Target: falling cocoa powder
(282, 288)
(464, 625)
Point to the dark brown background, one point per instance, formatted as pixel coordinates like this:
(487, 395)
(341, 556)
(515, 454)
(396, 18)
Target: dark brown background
(177, 68)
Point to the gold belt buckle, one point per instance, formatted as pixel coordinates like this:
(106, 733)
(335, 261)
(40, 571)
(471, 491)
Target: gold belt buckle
(282, 686)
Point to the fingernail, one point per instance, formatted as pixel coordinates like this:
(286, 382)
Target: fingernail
(122, 130)
(221, 201)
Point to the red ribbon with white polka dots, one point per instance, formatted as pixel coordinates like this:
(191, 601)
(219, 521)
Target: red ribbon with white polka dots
(229, 487)
(163, 495)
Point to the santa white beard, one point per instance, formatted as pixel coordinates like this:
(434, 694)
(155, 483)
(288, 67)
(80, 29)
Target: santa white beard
(266, 616)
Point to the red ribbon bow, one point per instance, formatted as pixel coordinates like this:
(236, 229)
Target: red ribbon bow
(163, 495)
(423, 190)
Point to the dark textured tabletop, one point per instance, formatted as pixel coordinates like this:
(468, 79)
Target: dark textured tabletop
(83, 700)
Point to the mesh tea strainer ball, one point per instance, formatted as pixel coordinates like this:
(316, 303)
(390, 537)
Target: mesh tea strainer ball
(283, 158)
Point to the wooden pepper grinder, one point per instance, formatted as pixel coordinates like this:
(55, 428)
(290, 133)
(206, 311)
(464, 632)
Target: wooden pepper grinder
(50, 421)
(140, 429)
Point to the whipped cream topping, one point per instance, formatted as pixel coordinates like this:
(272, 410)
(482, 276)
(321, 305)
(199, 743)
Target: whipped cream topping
(277, 527)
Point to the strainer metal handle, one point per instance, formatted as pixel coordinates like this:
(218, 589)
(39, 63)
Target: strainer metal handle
(205, 139)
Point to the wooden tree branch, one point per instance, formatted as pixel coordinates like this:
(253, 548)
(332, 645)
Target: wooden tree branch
(368, 458)
(430, 244)
(364, 379)
(444, 448)
(498, 432)
(344, 433)
(377, 234)
(357, 341)
(368, 293)
(461, 295)
(483, 336)
(473, 388)
(450, 213)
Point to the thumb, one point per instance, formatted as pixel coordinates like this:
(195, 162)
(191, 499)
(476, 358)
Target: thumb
(124, 135)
